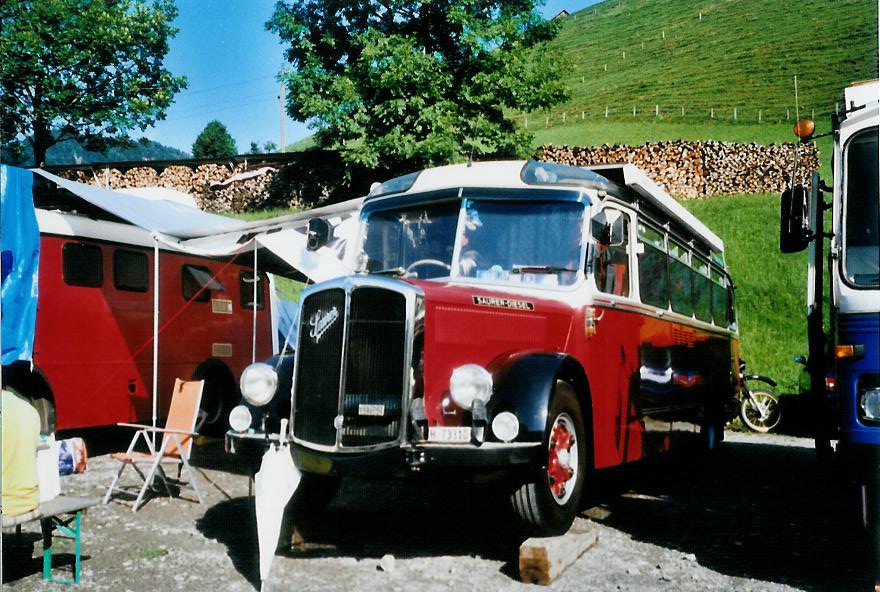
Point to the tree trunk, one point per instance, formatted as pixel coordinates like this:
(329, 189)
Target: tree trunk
(41, 142)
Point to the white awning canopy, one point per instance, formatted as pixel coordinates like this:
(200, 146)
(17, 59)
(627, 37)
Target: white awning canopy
(281, 241)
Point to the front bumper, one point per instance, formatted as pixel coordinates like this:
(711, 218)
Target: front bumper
(422, 457)
(861, 461)
(250, 445)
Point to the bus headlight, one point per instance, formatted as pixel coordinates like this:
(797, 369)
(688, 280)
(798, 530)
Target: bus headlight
(469, 383)
(240, 418)
(870, 403)
(258, 383)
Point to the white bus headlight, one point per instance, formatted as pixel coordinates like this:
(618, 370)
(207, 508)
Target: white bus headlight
(258, 383)
(505, 426)
(871, 404)
(240, 418)
(469, 383)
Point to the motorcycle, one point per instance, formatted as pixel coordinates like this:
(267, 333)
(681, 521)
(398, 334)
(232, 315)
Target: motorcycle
(758, 408)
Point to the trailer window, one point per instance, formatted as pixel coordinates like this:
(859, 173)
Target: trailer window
(193, 278)
(82, 265)
(653, 273)
(130, 271)
(246, 290)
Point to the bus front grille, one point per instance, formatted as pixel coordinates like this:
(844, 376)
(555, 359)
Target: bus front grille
(349, 386)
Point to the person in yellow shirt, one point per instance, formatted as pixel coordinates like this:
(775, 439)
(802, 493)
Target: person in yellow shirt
(21, 434)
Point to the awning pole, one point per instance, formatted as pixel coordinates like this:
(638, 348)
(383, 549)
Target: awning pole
(256, 284)
(155, 334)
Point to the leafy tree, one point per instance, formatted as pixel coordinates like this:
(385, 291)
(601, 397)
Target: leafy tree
(408, 84)
(214, 142)
(254, 149)
(88, 70)
(270, 146)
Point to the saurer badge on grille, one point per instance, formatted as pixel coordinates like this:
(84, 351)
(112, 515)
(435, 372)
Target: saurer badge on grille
(321, 321)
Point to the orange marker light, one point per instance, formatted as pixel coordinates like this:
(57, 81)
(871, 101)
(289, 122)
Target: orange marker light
(848, 351)
(804, 129)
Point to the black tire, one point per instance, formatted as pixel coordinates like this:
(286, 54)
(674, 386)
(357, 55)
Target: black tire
(869, 496)
(546, 506)
(765, 416)
(219, 396)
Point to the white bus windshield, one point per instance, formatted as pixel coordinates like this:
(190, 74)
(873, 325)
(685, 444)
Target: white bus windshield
(861, 237)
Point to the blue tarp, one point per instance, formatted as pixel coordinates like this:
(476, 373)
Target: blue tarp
(20, 255)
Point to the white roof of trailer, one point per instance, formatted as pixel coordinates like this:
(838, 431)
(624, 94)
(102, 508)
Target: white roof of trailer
(183, 228)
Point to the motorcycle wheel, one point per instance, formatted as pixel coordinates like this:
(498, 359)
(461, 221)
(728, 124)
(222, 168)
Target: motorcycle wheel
(763, 415)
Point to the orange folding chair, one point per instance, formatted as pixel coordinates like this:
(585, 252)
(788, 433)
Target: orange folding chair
(177, 438)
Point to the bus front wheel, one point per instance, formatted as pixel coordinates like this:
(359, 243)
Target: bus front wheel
(548, 504)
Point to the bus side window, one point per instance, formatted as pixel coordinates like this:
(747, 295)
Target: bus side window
(193, 278)
(702, 290)
(82, 265)
(611, 263)
(680, 295)
(246, 290)
(130, 271)
(720, 304)
(653, 272)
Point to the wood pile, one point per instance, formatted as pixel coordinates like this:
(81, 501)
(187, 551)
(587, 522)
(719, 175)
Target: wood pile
(690, 170)
(309, 179)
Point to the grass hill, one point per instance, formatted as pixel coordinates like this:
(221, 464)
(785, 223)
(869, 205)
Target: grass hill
(719, 55)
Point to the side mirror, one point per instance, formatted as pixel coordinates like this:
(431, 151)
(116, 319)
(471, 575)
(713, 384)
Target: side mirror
(802, 360)
(607, 228)
(318, 235)
(794, 228)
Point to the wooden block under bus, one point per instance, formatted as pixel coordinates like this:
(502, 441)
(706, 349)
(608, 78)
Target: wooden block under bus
(543, 559)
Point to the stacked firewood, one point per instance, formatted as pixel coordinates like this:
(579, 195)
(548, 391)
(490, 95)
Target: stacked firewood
(697, 169)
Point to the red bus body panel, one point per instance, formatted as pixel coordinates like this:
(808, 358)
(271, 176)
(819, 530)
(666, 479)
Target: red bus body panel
(632, 418)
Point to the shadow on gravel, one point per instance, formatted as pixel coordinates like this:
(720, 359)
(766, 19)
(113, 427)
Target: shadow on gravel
(760, 511)
(233, 523)
(19, 561)
(370, 519)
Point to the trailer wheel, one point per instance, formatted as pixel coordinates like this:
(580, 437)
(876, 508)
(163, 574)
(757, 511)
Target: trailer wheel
(548, 504)
(219, 396)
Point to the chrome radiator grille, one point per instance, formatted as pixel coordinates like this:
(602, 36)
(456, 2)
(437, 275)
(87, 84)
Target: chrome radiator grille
(353, 370)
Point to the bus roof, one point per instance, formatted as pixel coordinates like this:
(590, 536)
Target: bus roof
(625, 181)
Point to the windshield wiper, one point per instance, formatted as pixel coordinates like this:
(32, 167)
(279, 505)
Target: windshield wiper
(398, 271)
(540, 269)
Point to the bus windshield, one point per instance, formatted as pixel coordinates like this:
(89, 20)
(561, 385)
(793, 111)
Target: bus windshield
(862, 212)
(493, 240)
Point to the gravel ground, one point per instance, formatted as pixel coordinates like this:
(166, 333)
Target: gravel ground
(760, 516)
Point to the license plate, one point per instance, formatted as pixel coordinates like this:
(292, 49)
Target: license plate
(373, 410)
(458, 435)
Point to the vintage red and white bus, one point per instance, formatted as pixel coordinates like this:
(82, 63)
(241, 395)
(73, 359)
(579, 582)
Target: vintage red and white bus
(527, 319)
(93, 345)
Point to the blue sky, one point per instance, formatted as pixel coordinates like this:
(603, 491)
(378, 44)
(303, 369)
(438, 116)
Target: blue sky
(231, 61)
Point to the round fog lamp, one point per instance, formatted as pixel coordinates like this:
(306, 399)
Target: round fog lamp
(505, 426)
(469, 383)
(258, 383)
(240, 418)
(871, 403)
